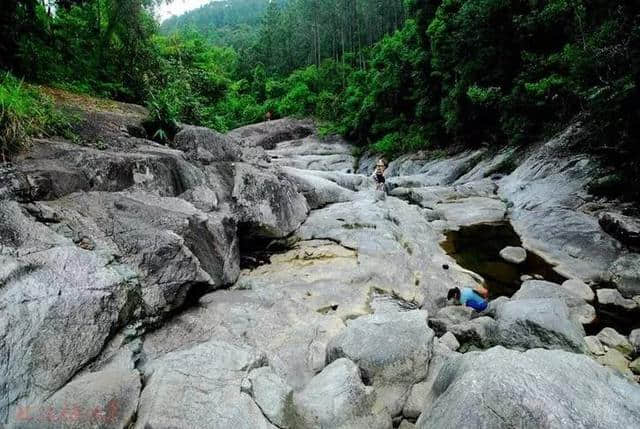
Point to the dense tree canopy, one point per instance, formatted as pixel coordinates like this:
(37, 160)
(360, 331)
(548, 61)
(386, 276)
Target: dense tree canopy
(394, 75)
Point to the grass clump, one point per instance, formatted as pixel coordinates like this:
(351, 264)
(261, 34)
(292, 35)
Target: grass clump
(24, 112)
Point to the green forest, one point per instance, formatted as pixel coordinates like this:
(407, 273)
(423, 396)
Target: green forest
(393, 76)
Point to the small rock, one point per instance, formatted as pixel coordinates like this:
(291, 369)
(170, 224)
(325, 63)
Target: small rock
(634, 339)
(450, 341)
(515, 255)
(594, 346)
(406, 424)
(525, 277)
(616, 360)
(579, 289)
(538, 277)
(635, 366)
(625, 273)
(613, 298)
(610, 337)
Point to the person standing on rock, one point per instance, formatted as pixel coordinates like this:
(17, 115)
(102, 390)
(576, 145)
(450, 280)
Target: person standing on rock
(474, 298)
(378, 174)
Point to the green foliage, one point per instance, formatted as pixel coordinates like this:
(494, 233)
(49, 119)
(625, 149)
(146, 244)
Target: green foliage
(24, 112)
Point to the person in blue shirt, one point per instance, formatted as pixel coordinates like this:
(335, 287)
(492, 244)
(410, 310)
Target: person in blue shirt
(474, 298)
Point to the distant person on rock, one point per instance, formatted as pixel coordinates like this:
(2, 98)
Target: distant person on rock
(378, 174)
(475, 298)
(267, 116)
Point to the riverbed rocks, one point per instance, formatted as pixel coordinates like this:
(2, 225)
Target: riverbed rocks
(502, 388)
(625, 274)
(613, 298)
(252, 280)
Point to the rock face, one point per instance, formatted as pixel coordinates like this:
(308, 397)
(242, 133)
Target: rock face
(391, 349)
(502, 388)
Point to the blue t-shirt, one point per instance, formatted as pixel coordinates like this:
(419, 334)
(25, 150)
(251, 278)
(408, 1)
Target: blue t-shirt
(470, 298)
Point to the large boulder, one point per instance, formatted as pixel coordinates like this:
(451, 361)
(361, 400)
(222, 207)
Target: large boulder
(470, 211)
(580, 310)
(313, 153)
(392, 350)
(206, 146)
(200, 384)
(625, 274)
(337, 398)
(268, 134)
(269, 204)
(503, 388)
(531, 323)
(318, 191)
(271, 394)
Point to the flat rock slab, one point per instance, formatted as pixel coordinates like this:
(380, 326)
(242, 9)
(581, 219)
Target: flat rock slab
(470, 211)
(185, 388)
(503, 388)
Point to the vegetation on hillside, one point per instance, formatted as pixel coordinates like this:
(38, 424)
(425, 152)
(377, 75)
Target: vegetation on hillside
(396, 76)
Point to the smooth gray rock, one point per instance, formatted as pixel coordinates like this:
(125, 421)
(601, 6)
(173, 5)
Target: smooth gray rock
(531, 323)
(271, 394)
(271, 205)
(580, 311)
(623, 228)
(477, 332)
(391, 349)
(450, 341)
(185, 388)
(268, 134)
(421, 393)
(473, 210)
(515, 255)
(613, 298)
(420, 169)
(546, 192)
(206, 146)
(614, 359)
(337, 398)
(625, 273)
(58, 308)
(611, 338)
(579, 289)
(405, 424)
(105, 399)
(594, 346)
(448, 316)
(318, 191)
(634, 339)
(503, 388)
(331, 154)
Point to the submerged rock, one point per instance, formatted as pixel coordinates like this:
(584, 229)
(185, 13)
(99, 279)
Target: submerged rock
(515, 255)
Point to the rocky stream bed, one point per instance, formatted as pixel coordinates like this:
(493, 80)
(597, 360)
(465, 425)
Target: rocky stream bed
(256, 280)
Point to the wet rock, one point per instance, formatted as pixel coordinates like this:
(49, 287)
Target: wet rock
(611, 338)
(391, 349)
(536, 388)
(579, 289)
(450, 341)
(337, 398)
(530, 323)
(202, 383)
(271, 394)
(106, 399)
(579, 310)
(515, 255)
(613, 298)
(625, 273)
(594, 346)
(623, 228)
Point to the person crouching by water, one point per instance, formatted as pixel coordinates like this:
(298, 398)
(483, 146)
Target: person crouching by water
(378, 174)
(474, 298)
